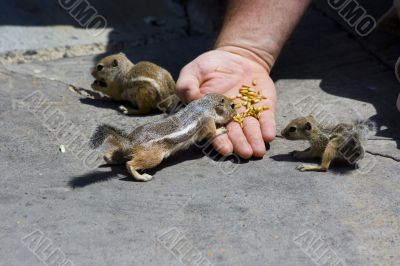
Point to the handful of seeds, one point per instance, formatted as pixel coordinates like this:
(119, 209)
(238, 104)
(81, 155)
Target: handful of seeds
(248, 98)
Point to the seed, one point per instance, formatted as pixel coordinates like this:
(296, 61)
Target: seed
(248, 97)
(62, 148)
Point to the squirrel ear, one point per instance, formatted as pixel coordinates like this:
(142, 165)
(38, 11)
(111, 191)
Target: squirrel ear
(307, 126)
(121, 53)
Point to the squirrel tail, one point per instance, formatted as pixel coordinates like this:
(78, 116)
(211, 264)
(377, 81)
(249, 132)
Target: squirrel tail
(102, 132)
(365, 129)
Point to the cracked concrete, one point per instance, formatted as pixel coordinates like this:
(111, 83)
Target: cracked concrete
(257, 212)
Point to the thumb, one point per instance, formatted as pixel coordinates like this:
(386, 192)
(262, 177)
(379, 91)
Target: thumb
(188, 84)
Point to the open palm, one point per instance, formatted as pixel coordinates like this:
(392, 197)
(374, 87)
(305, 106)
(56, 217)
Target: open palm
(225, 72)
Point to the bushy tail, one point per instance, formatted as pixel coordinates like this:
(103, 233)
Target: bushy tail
(365, 129)
(102, 132)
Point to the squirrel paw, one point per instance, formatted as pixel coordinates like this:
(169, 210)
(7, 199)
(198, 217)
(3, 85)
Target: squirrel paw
(309, 167)
(123, 109)
(109, 159)
(130, 111)
(144, 177)
(305, 167)
(220, 131)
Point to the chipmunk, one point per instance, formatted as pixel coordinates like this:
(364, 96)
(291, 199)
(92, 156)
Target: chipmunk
(145, 85)
(343, 141)
(147, 145)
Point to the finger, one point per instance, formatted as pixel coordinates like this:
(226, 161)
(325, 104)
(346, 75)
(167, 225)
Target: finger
(253, 135)
(268, 125)
(267, 118)
(240, 145)
(188, 84)
(223, 145)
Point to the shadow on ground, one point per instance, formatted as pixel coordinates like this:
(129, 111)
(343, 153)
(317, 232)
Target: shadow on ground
(338, 167)
(192, 154)
(97, 176)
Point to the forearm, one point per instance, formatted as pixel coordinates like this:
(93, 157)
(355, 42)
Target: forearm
(258, 29)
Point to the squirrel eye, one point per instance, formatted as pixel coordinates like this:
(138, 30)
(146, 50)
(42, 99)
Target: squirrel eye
(233, 105)
(292, 129)
(307, 126)
(222, 100)
(114, 63)
(99, 67)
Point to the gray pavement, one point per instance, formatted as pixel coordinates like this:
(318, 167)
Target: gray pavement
(199, 209)
(49, 30)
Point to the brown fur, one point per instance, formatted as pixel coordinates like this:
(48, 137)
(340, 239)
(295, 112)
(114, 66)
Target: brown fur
(145, 85)
(144, 159)
(147, 145)
(342, 142)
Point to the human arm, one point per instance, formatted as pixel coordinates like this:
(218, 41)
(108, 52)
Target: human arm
(251, 38)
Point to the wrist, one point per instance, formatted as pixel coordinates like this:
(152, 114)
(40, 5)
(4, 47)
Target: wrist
(263, 58)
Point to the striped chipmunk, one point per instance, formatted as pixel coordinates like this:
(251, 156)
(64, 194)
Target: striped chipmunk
(145, 85)
(147, 145)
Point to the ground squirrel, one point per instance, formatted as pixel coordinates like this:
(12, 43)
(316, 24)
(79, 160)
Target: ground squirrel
(343, 141)
(147, 145)
(145, 85)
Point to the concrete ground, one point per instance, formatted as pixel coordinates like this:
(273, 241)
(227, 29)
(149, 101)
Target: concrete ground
(63, 209)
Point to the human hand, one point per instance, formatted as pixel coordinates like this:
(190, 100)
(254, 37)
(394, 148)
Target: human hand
(225, 72)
